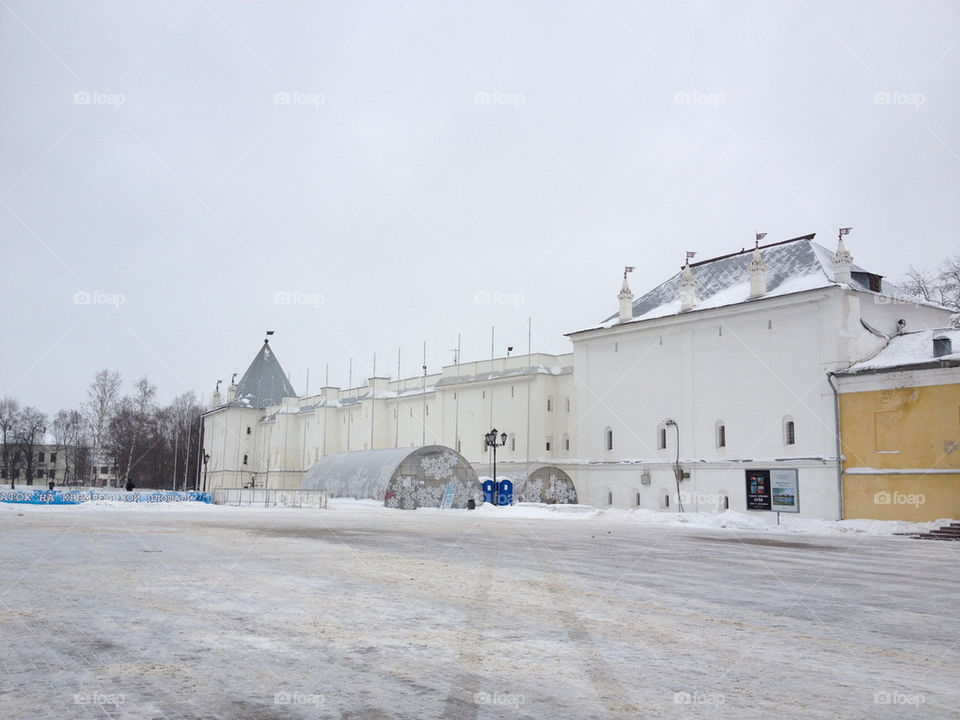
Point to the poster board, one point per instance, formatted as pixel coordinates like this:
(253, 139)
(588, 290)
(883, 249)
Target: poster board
(777, 490)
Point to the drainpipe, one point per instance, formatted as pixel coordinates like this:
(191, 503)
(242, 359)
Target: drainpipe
(836, 419)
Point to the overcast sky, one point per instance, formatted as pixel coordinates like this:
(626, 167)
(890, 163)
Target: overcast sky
(178, 177)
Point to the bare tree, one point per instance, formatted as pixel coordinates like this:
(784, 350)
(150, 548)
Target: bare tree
(103, 394)
(28, 434)
(940, 286)
(69, 432)
(9, 412)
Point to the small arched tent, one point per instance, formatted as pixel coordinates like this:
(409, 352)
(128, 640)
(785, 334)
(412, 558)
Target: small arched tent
(399, 477)
(547, 484)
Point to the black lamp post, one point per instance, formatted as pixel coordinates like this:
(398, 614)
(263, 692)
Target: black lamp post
(206, 459)
(494, 442)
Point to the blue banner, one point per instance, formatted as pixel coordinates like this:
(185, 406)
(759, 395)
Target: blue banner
(75, 497)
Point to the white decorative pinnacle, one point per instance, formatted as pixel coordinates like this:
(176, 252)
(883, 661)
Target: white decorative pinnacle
(626, 298)
(758, 274)
(688, 288)
(842, 260)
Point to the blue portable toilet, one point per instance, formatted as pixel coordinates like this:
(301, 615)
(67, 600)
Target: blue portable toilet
(488, 491)
(506, 493)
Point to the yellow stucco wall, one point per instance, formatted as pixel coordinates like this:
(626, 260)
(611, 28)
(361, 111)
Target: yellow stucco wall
(902, 428)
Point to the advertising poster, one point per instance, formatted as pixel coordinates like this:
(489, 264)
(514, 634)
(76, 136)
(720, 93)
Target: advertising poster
(758, 490)
(784, 493)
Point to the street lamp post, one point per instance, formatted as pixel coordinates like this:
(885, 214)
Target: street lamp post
(494, 442)
(206, 459)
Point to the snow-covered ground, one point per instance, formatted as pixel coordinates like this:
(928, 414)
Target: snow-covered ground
(118, 610)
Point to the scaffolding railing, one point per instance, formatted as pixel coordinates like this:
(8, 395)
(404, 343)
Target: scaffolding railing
(258, 497)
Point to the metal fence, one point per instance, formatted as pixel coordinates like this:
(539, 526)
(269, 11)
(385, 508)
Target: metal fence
(259, 497)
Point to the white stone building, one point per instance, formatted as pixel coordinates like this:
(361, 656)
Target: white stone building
(723, 368)
(265, 435)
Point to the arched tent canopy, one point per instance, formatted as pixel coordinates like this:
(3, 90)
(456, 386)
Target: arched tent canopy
(547, 484)
(399, 477)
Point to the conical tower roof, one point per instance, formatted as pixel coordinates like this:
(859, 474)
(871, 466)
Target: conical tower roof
(264, 383)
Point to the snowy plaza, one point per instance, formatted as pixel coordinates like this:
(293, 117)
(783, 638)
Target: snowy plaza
(360, 611)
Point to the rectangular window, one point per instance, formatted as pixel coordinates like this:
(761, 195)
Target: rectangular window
(567, 403)
(548, 444)
(40, 456)
(513, 443)
(662, 439)
(248, 429)
(790, 432)
(721, 436)
(549, 404)
(566, 442)
(53, 457)
(609, 439)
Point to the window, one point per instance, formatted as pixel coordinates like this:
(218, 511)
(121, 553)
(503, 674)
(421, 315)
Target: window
(427, 409)
(566, 442)
(666, 501)
(549, 443)
(789, 431)
(51, 474)
(40, 456)
(566, 402)
(511, 391)
(549, 404)
(458, 444)
(244, 459)
(661, 437)
(609, 438)
(638, 500)
(609, 498)
(721, 434)
(53, 457)
(483, 394)
(104, 470)
(248, 429)
(513, 443)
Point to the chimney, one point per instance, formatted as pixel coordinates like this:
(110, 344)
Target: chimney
(626, 298)
(758, 274)
(942, 346)
(688, 288)
(842, 260)
(216, 395)
(232, 389)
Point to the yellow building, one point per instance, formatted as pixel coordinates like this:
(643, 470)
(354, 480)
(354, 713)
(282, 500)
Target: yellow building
(900, 430)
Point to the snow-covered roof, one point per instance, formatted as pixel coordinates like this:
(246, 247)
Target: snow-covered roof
(504, 374)
(911, 350)
(793, 266)
(264, 383)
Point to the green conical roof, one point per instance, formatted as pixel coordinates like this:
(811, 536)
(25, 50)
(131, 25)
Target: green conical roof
(264, 383)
